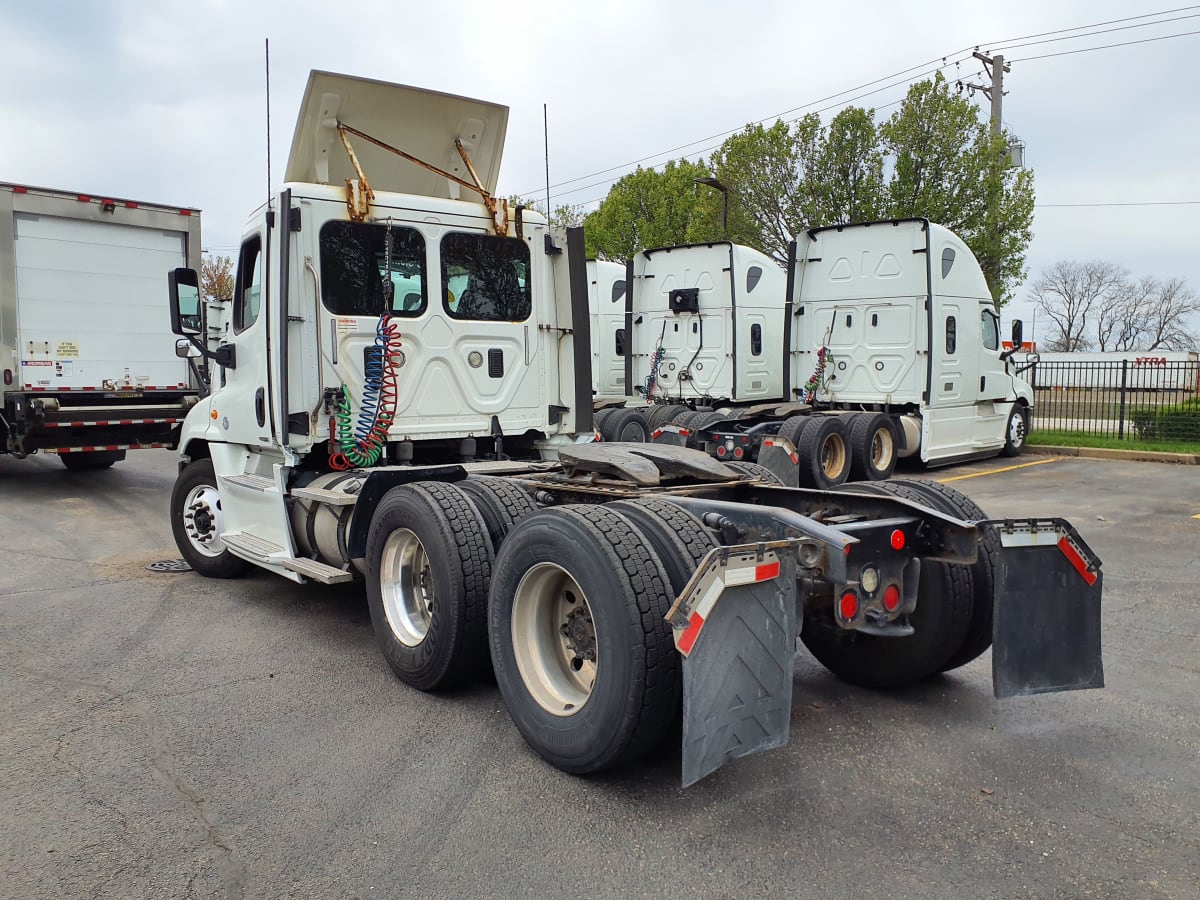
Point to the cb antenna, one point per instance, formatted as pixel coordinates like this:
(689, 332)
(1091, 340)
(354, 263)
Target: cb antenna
(546, 138)
(267, 52)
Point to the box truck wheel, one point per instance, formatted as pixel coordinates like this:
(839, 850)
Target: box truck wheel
(500, 501)
(196, 523)
(824, 452)
(983, 572)
(872, 447)
(1016, 431)
(91, 459)
(429, 560)
(583, 657)
(627, 424)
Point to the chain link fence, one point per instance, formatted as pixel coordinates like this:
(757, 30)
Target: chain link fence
(1148, 398)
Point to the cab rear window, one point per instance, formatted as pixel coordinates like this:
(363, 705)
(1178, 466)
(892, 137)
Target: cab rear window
(355, 280)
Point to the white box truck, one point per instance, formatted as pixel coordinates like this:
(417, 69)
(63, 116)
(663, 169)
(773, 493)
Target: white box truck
(397, 405)
(88, 363)
(880, 340)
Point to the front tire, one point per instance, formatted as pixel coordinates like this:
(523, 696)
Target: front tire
(583, 657)
(429, 561)
(1016, 432)
(196, 523)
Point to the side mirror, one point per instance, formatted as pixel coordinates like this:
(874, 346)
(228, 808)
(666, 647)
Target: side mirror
(1018, 333)
(185, 349)
(186, 315)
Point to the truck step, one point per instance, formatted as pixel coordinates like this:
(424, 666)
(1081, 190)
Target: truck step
(317, 571)
(254, 482)
(250, 545)
(320, 495)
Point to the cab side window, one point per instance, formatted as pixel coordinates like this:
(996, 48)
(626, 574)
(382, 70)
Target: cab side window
(989, 326)
(247, 294)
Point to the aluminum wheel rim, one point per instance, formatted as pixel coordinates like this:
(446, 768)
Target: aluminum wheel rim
(554, 638)
(833, 455)
(1016, 430)
(202, 521)
(883, 446)
(406, 584)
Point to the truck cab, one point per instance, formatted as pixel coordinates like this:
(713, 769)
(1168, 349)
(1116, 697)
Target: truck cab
(905, 318)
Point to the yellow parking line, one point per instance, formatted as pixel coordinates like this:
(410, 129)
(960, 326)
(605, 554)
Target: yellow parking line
(1036, 462)
(1196, 517)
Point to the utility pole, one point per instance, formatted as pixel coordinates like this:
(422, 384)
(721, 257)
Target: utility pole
(996, 67)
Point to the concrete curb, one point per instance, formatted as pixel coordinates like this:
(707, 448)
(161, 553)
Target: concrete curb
(1181, 459)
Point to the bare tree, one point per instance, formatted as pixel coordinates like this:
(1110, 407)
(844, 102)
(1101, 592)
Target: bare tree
(1070, 294)
(1167, 315)
(216, 277)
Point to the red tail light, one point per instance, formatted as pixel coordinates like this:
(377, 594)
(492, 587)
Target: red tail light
(891, 598)
(898, 539)
(849, 605)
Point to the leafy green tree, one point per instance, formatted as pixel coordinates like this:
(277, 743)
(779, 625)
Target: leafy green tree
(948, 167)
(567, 215)
(646, 208)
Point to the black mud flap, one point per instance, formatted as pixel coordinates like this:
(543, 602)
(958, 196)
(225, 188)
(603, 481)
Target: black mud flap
(1046, 631)
(738, 652)
(780, 456)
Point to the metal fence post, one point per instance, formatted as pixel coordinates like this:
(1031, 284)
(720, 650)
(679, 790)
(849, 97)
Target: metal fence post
(1124, 382)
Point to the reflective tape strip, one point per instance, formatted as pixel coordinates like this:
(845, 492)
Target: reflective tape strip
(783, 445)
(1076, 559)
(748, 567)
(105, 448)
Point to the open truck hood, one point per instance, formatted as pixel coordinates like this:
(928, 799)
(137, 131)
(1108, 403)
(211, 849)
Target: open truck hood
(420, 122)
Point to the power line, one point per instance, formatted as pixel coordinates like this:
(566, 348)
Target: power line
(1141, 203)
(945, 59)
(1025, 37)
(1102, 31)
(1107, 46)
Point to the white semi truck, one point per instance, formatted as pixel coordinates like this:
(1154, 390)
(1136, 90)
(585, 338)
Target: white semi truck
(878, 341)
(88, 364)
(397, 400)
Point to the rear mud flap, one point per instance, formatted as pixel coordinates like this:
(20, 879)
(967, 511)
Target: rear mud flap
(737, 667)
(1046, 630)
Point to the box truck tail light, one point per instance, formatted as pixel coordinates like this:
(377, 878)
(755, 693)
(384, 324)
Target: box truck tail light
(8, 377)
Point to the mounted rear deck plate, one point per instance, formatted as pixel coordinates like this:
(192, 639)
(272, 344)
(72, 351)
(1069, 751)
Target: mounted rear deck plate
(643, 464)
(1046, 631)
(420, 122)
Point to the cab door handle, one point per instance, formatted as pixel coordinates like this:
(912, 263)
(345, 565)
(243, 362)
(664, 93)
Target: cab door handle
(260, 407)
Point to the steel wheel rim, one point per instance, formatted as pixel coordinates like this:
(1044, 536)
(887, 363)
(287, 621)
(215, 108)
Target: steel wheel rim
(406, 585)
(1016, 430)
(554, 639)
(883, 448)
(833, 455)
(202, 522)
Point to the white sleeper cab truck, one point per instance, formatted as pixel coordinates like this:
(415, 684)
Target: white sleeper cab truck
(396, 402)
(879, 341)
(89, 367)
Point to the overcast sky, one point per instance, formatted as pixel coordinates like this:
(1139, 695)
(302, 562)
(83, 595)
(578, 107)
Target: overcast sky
(163, 101)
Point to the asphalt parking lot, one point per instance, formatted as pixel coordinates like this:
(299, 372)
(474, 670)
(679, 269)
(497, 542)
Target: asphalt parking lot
(165, 735)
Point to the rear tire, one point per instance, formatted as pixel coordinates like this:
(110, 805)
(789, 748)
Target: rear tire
(429, 561)
(758, 471)
(626, 425)
(945, 611)
(983, 573)
(501, 503)
(583, 657)
(91, 459)
(663, 413)
(824, 453)
(679, 539)
(196, 523)
(872, 447)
